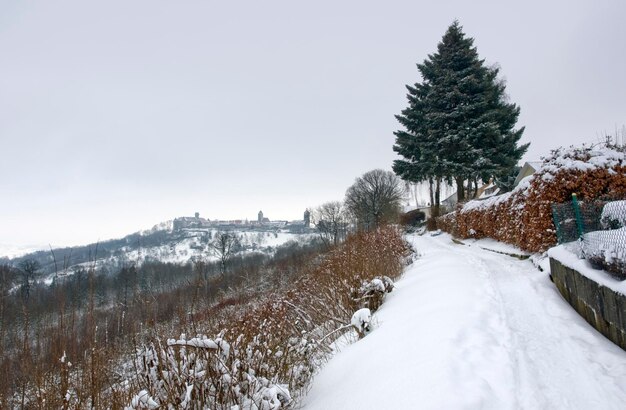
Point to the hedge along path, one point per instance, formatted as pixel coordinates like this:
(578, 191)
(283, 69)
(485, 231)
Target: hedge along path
(523, 217)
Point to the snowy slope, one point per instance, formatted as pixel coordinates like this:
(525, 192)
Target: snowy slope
(466, 329)
(14, 251)
(157, 244)
(193, 248)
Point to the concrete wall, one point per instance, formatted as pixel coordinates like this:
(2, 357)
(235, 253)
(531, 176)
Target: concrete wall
(602, 307)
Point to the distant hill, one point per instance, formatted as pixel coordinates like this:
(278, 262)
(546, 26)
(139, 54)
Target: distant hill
(160, 243)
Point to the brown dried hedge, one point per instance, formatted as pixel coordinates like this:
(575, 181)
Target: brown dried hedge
(523, 217)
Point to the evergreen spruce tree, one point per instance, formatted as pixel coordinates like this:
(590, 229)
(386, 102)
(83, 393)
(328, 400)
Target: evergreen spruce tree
(458, 125)
(418, 146)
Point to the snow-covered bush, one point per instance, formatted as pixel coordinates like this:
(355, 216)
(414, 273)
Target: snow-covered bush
(142, 400)
(203, 373)
(523, 217)
(372, 294)
(613, 215)
(361, 321)
(607, 250)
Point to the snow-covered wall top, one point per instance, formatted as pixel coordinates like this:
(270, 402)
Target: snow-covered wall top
(568, 257)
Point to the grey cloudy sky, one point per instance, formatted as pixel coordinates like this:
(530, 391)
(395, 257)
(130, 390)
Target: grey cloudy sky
(116, 115)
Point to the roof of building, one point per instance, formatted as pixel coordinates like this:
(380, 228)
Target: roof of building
(529, 168)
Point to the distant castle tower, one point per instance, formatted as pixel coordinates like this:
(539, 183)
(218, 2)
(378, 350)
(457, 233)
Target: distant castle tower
(197, 215)
(307, 218)
(260, 216)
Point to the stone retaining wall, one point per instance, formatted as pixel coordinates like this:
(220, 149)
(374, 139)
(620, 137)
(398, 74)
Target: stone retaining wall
(602, 307)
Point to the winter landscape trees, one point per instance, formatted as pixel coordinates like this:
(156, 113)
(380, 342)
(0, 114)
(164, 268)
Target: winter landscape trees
(331, 222)
(224, 245)
(374, 198)
(82, 351)
(85, 327)
(459, 125)
(69, 320)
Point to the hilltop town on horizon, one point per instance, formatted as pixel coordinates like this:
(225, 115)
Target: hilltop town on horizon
(197, 222)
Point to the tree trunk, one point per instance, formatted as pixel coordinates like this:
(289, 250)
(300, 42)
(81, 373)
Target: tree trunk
(476, 187)
(437, 197)
(460, 189)
(414, 184)
(430, 190)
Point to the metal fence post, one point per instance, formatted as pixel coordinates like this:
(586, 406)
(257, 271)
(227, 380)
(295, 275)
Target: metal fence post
(557, 223)
(579, 219)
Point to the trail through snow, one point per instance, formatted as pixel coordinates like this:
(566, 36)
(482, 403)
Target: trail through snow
(466, 328)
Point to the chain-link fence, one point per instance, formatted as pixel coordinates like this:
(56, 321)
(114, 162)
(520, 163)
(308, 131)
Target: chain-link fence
(600, 226)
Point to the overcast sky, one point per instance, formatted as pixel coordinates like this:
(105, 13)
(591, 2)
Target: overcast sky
(117, 115)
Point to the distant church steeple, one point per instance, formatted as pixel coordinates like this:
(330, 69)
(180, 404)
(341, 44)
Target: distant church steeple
(260, 216)
(307, 218)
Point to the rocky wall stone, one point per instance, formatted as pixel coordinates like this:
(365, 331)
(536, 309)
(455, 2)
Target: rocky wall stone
(602, 307)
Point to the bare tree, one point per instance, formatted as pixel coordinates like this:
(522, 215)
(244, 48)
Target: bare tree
(224, 245)
(375, 198)
(330, 221)
(28, 269)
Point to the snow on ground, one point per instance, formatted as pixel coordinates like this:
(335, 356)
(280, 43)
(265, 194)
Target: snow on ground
(496, 246)
(193, 248)
(190, 249)
(467, 328)
(281, 238)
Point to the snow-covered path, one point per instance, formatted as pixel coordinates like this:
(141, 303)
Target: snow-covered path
(471, 329)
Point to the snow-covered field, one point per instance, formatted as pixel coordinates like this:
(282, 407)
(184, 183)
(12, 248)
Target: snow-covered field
(193, 248)
(467, 328)
(188, 249)
(15, 251)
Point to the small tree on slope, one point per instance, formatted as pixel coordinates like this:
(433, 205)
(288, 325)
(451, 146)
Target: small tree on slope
(224, 245)
(375, 198)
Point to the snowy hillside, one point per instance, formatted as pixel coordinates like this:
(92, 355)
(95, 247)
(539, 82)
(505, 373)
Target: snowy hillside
(467, 328)
(195, 247)
(159, 244)
(12, 251)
